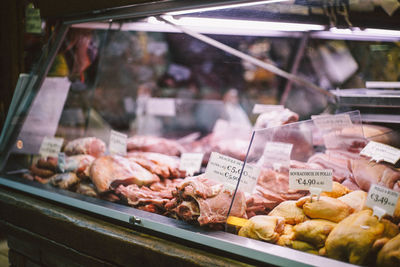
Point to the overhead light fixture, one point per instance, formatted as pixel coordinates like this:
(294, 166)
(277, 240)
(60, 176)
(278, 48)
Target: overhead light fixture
(236, 5)
(357, 34)
(250, 25)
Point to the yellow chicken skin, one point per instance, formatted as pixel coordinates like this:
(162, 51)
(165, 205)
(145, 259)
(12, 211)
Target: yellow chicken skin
(389, 255)
(353, 238)
(327, 208)
(304, 246)
(338, 190)
(287, 236)
(289, 210)
(355, 199)
(314, 232)
(263, 227)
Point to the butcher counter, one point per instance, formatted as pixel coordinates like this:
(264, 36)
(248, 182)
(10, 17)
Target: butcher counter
(41, 233)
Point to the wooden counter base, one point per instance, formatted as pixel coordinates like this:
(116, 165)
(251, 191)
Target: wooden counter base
(41, 233)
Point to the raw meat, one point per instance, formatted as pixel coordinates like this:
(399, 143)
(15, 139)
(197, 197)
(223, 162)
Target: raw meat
(339, 166)
(353, 238)
(314, 232)
(327, 208)
(275, 118)
(163, 165)
(80, 164)
(64, 180)
(86, 145)
(265, 228)
(114, 170)
(212, 199)
(366, 173)
(154, 144)
(290, 212)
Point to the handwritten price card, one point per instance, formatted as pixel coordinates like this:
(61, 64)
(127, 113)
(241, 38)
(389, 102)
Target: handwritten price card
(226, 170)
(383, 198)
(332, 122)
(381, 152)
(191, 162)
(50, 147)
(117, 143)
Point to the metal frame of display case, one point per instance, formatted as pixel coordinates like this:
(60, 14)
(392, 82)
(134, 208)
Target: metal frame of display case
(249, 249)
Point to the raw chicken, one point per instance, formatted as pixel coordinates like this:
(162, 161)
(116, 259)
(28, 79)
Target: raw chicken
(263, 227)
(114, 170)
(290, 212)
(154, 144)
(338, 190)
(327, 208)
(86, 145)
(389, 255)
(80, 164)
(314, 232)
(287, 237)
(353, 238)
(355, 199)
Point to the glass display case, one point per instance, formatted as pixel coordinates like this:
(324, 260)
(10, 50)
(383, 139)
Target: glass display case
(188, 119)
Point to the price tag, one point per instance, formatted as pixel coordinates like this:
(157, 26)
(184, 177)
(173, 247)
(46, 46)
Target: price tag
(332, 122)
(161, 107)
(226, 170)
(117, 144)
(304, 179)
(277, 153)
(191, 162)
(259, 108)
(61, 161)
(381, 152)
(50, 147)
(383, 198)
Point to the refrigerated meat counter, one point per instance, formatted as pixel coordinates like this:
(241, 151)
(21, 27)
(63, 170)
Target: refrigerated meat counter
(171, 130)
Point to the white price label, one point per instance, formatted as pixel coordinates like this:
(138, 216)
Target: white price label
(259, 108)
(381, 152)
(226, 170)
(383, 198)
(332, 122)
(50, 147)
(277, 153)
(117, 143)
(304, 179)
(161, 107)
(191, 162)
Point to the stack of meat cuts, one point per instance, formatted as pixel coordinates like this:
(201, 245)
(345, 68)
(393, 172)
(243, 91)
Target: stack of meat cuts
(154, 144)
(206, 202)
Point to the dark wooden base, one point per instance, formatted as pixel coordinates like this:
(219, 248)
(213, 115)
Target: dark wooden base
(42, 233)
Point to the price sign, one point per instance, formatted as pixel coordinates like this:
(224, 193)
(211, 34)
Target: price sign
(383, 198)
(224, 128)
(226, 170)
(259, 108)
(61, 161)
(304, 179)
(332, 122)
(50, 147)
(117, 143)
(191, 162)
(161, 107)
(381, 152)
(277, 153)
